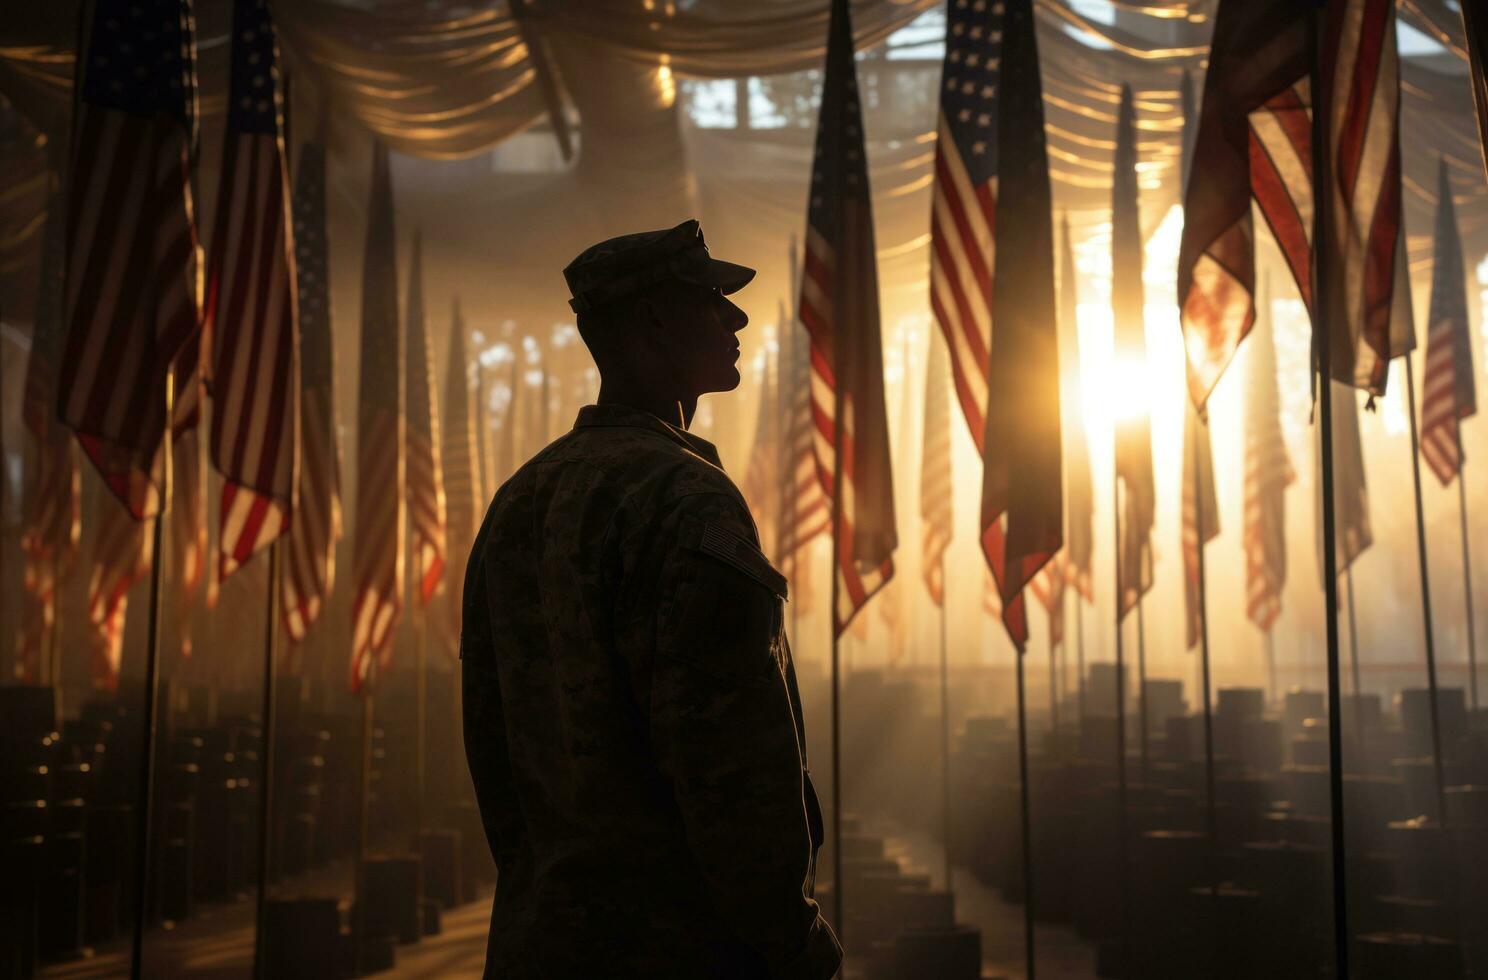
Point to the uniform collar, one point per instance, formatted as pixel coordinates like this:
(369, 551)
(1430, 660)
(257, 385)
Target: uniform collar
(600, 416)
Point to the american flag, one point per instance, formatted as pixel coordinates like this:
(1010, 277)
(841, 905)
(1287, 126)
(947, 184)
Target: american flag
(310, 556)
(1255, 140)
(1350, 492)
(761, 475)
(133, 288)
(1476, 25)
(463, 505)
(53, 524)
(1450, 394)
(250, 312)
(1200, 512)
(1268, 472)
(936, 510)
(1134, 434)
(1079, 500)
(425, 473)
(839, 305)
(963, 217)
(122, 551)
(806, 508)
(377, 555)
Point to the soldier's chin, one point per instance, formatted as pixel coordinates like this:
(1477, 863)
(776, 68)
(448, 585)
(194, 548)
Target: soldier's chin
(727, 380)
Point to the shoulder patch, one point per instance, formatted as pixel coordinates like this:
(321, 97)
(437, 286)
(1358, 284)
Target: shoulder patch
(733, 549)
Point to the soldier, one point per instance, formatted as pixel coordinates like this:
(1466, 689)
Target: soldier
(632, 722)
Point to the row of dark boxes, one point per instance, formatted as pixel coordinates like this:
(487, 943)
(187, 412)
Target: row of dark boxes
(1416, 892)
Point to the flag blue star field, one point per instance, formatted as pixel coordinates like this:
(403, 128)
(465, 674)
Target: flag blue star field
(250, 309)
(133, 286)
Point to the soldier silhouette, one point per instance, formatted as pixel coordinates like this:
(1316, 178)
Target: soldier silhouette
(632, 722)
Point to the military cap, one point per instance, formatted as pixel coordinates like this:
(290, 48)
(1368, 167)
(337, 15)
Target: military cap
(620, 266)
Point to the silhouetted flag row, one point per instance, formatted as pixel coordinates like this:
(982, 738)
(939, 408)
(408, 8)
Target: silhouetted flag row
(463, 501)
(963, 216)
(425, 474)
(1268, 472)
(250, 308)
(132, 265)
(377, 554)
(52, 521)
(1079, 539)
(936, 488)
(1200, 513)
(310, 565)
(839, 305)
(1449, 394)
(1128, 307)
(1022, 510)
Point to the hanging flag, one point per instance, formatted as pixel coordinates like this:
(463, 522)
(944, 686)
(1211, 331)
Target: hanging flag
(462, 494)
(963, 216)
(1255, 139)
(133, 286)
(377, 554)
(1449, 394)
(1268, 472)
(1200, 512)
(761, 481)
(426, 501)
(936, 510)
(310, 556)
(1476, 25)
(52, 521)
(1079, 499)
(1133, 434)
(806, 513)
(1350, 493)
(839, 305)
(122, 551)
(250, 309)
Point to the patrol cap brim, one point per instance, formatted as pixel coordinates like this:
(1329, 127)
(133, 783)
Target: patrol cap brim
(704, 270)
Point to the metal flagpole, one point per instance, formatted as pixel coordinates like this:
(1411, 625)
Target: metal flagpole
(266, 768)
(1054, 671)
(1027, 829)
(945, 732)
(1472, 643)
(837, 904)
(1271, 664)
(1323, 356)
(1124, 885)
(145, 802)
(420, 747)
(364, 790)
(1142, 686)
(1080, 660)
(1348, 585)
(1211, 824)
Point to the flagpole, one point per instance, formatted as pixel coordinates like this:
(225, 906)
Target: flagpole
(421, 628)
(1348, 585)
(1121, 872)
(1271, 663)
(1323, 355)
(1472, 643)
(266, 767)
(1211, 824)
(1080, 660)
(945, 731)
(145, 801)
(364, 788)
(837, 904)
(1027, 830)
(1142, 685)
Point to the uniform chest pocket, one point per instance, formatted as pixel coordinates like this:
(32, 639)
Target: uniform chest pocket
(727, 612)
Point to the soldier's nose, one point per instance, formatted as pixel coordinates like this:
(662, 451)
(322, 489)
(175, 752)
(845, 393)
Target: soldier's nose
(735, 318)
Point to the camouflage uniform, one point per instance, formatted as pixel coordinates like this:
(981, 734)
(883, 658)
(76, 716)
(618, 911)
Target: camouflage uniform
(632, 722)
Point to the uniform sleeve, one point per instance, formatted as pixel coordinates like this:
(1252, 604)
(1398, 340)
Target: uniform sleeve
(724, 733)
(484, 720)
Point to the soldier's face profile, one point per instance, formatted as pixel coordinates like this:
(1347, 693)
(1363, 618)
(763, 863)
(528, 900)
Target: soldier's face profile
(700, 329)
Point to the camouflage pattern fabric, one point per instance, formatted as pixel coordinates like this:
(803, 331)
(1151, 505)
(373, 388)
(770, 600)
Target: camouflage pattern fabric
(632, 723)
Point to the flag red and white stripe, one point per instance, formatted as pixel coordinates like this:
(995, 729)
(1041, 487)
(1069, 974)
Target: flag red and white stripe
(250, 310)
(806, 512)
(1449, 392)
(426, 499)
(132, 291)
(121, 557)
(1268, 472)
(310, 554)
(936, 510)
(839, 306)
(377, 556)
